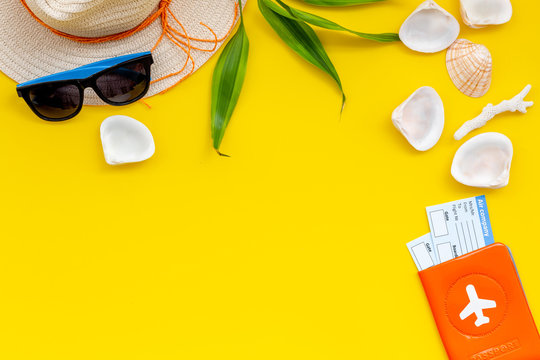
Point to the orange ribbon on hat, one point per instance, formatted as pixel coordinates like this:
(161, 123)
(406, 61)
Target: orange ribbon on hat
(180, 39)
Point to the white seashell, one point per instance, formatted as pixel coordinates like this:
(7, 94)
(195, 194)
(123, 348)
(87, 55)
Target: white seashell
(479, 13)
(420, 118)
(125, 140)
(484, 161)
(429, 28)
(469, 66)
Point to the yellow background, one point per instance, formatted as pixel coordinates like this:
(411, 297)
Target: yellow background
(293, 248)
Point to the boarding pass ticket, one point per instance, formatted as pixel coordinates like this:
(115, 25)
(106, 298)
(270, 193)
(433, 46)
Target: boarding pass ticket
(457, 228)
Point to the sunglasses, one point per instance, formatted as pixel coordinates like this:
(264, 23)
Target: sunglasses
(117, 81)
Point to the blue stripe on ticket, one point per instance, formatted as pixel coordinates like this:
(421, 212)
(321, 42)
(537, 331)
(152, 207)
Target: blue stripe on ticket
(484, 219)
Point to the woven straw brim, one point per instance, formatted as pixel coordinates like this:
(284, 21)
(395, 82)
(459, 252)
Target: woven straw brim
(28, 50)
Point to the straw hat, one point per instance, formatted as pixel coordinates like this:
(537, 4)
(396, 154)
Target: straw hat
(37, 37)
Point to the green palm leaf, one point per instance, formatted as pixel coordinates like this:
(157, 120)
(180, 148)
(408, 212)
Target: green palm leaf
(340, 2)
(292, 13)
(302, 39)
(227, 82)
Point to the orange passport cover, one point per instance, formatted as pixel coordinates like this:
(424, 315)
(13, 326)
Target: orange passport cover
(480, 308)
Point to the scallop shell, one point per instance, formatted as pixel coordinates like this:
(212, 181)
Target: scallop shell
(469, 66)
(420, 118)
(484, 161)
(480, 13)
(429, 28)
(125, 140)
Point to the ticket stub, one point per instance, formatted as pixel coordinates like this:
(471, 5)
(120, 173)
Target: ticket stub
(459, 227)
(421, 250)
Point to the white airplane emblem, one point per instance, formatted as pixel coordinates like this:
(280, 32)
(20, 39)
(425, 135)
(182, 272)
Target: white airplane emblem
(476, 306)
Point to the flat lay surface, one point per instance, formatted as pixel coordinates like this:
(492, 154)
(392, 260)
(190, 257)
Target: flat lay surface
(292, 248)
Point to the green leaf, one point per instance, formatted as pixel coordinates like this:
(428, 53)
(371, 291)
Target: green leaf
(227, 82)
(340, 2)
(292, 13)
(302, 39)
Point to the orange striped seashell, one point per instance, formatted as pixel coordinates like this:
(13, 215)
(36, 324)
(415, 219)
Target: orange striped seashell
(469, 66)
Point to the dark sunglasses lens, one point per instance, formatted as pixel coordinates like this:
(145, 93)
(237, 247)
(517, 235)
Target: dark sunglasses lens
(55, 101)
(123, 84)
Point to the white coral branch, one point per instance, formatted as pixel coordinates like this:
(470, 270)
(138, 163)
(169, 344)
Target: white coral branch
(489, 112)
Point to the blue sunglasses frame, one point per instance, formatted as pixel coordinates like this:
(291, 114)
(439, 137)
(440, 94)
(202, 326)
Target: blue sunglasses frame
(84, 77)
